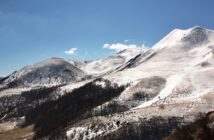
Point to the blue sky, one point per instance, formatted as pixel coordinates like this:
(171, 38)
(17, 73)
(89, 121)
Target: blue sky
(34, 30)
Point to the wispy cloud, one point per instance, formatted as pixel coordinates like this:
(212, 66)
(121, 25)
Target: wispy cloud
(71, 51)
(120, 46)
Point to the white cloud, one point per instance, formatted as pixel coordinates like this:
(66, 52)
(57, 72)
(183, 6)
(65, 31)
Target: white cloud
(71, 51)
(119, 46)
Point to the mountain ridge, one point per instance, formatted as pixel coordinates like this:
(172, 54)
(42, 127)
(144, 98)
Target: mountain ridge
(169, 82)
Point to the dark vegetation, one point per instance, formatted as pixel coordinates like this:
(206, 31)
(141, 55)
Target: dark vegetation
(132, 61)
(52, 116)
(141, 96)
(155, 128)
(145, 90)
(19, 105)
(162, 106)
(150, 56)
(201, 129)
(110, 108)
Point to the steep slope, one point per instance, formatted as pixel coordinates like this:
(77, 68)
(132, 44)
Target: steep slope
(184, 58)
(110, 63)
(50, 72)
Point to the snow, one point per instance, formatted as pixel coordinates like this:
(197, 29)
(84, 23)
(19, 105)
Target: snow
(72, 86)
(13, 91)
(101, 83)
(49, 72)
(110, 63)
(89, 130)
(183, 56)
(172, 82)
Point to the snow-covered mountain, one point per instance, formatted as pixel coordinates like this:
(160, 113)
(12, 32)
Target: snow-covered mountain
(112, 62)
(56, 71)
(50, 72)
(184, 58)
(122, 93)
(173, 78)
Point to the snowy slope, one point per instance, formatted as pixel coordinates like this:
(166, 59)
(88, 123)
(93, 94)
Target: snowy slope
(78, 64)
(110, 63)
(179, 70)
(183, 56)
(50, 72)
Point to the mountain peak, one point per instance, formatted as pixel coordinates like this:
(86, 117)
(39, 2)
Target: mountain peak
(190, 37)
(195, 36)
(197, 28)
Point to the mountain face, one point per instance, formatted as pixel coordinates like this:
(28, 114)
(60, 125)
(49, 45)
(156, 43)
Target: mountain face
(139, 93)
(53, 71)
(184, 58)
(109, 64)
